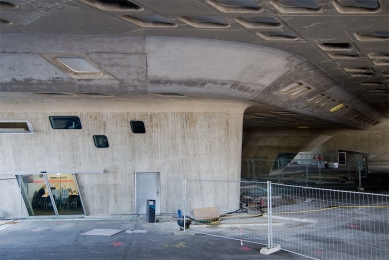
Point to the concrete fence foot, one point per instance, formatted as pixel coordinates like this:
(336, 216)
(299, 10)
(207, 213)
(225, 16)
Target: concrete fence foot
(268, 251)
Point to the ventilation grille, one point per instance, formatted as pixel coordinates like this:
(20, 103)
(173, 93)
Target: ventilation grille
(321, 100)
(296, 89)
(235, 6)
(361, 117)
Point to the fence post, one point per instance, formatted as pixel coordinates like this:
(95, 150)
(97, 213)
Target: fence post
(278, 164)
(184, 200)
(270, 247)
(306, 174)
(254, 168)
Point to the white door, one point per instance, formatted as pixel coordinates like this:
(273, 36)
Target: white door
(147, 188)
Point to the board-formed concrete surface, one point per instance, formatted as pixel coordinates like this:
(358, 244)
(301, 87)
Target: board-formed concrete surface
(62, 239)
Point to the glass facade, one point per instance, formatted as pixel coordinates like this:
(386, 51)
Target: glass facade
(51, 194)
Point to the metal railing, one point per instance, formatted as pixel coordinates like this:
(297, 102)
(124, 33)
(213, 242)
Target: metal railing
(313, 222)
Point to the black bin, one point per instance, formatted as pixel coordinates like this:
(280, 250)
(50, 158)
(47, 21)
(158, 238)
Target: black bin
(150, 211)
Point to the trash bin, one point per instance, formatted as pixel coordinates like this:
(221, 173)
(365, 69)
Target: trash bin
(150, 211)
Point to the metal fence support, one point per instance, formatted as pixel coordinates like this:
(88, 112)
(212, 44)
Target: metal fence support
(184, 200)
(306, 175)
(270, 247)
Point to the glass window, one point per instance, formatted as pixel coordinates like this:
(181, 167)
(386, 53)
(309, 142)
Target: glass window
(65, 122)
(15, 127)
(101, 141)
(138, 127)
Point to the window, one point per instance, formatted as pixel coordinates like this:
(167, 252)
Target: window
(16, 127)
(137, 127)
(101, 141)
(65, 122)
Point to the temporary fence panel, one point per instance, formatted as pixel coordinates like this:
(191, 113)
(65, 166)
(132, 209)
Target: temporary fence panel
(313, 222)
(331, 224)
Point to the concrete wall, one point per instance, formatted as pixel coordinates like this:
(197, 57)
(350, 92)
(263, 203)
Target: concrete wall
(374, 142)
(196, 140)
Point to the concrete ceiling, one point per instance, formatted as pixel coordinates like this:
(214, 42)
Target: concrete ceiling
(345, 40)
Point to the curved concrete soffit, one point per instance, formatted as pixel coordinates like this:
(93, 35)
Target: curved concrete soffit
(254, 73)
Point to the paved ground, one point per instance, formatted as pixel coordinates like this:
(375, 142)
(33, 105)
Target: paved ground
(62, 239)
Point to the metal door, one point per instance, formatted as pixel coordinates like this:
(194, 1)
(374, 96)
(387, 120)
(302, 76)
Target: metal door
(147, 188)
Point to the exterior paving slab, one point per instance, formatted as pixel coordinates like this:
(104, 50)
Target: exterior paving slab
(62, 239)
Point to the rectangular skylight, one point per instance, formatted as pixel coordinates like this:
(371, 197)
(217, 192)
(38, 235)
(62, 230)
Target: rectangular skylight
(78, 65)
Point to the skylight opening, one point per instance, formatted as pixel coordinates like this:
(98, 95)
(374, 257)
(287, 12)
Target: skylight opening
(114, 5)
(258, 22)
(372, 35)
(296, 6)
(205, 22)
(5, 22)
(357, 6)
(277, 35)
(78, 65)
(335, 46)
(7, 5)
(345, 55)
(155, 21)
(235, 6)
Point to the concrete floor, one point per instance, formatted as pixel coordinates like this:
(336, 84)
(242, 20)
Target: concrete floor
(61, 239)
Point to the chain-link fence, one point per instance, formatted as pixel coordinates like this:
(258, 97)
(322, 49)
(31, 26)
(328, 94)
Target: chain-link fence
(314, 222)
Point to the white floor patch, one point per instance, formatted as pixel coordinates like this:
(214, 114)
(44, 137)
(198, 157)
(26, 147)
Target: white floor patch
(102, 232)
(136, 231)
(5, 226)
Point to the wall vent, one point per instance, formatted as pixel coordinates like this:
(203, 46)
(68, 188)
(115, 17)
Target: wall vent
(296, 89)
(335, 46)
(360, 117)
(7, 5)
(296, 6)
(235, 6)
(155, 21)
(277, 35)
(372, 36)
(205, 22)
(356, 6)
(114, 5)
(58, 94)
(258, 22)
(344, 55)
(16, 127)
(92, 94)
(169, 95)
